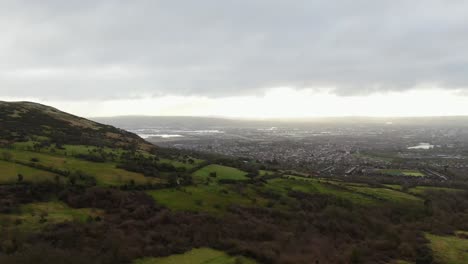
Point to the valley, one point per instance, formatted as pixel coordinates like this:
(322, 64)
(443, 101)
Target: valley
(151, 204)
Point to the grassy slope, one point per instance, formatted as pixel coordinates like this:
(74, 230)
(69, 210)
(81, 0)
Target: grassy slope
(396, 172)
(105, 173)
(197, 256)
(180, 164)
(421, 190)
(283, 186)
(9, 173)
(449, 249)
(211, 198)
(222, 172)
(53, 211)
(387, 194)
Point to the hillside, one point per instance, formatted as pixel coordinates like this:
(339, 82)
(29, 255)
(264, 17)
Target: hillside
(27, 121)
(76, 191)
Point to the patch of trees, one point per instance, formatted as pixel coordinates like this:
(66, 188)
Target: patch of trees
(319, 229)
(147, 165)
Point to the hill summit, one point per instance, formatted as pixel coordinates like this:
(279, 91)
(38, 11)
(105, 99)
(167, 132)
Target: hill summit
(26, 121)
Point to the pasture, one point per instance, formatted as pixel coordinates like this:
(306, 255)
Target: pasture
(182, 163)
(309, 185)
(449, 249)
(9, 173)
(212, 198)
(222, 172)
(198, 256)
(106, 174)
(421, 190)
(397, 172)
(34, 216)
(385, 194)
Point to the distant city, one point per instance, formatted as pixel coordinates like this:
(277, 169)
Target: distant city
(416, 147)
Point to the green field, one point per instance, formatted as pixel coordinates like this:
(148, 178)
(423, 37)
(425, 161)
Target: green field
(356, 192)
(182, 163)
(105, 173)
(401, 262)
(9, 173)
(397, 172)
(198, 256)
(265, 172)
(421, 190)
(222, 172)
(309, 185)
(69, 150)
(394, 186)
(211, 198)
(34, 216)
(387, 194)
(449, 249)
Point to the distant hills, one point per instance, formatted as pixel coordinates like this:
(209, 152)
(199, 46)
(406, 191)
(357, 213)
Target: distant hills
(188, 122)
(26, 121)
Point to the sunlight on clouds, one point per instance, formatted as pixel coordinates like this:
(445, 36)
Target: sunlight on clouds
(281, 103)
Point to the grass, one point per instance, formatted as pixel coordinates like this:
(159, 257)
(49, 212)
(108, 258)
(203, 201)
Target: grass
(421, 190)
(449, 249)
(394, 186)
(28, 216)
(309, 185)
(106, 174)
(402, 262)
(265, 172)
(9, 173)
(387, 194)
(212, 198)
(222, 172)
(68, 150)
(182, 163)
(356, 191)
(198, 256)
(397, 172)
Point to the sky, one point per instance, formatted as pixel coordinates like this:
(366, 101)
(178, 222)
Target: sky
(243, 58)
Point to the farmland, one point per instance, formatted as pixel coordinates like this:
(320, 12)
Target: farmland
(37, 215)
(9, 172)
(211, 198)
(105, 173)
(449, 249)
(221, 173)
(397, 172)
(198, 256)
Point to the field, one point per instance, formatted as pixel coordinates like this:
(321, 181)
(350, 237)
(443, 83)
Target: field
(421, 190)
(9, 173)
(213, 198)
(222, 172)
(356, 192)
(182, 164)
(283, 186)
(34, 216)
(449, 249)
(387, 194)
(396, 172)
(106, 174)
(198, 256)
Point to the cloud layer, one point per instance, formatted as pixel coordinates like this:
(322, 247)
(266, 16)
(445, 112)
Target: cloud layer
(83, 50)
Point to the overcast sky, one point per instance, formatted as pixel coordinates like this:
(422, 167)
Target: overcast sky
(214, 57)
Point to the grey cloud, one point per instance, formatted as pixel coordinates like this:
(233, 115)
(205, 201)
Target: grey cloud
(119, 49)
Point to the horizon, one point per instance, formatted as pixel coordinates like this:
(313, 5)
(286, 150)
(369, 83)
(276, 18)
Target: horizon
(321, 59)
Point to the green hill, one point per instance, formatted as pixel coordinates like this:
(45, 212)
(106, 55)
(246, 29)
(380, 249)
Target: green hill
(26, 121)
(75, 190)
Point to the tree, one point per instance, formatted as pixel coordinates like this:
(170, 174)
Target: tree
(20, 177)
